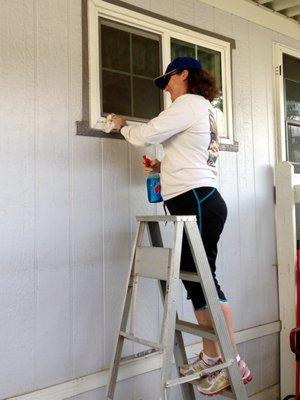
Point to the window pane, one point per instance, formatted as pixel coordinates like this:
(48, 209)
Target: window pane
(115, 49)
(292, 99)
(291, 67)
(293, 143)
(146, 98)
(145, 56)
(182, 49)
(211, 60)
(116, 93)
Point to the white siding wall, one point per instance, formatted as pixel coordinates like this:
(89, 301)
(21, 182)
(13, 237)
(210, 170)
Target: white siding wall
(67, 203)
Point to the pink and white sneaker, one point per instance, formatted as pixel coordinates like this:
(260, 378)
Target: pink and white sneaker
(197, 366)
(218, 381)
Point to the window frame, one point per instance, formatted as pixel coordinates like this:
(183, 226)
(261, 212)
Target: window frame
(166, 30)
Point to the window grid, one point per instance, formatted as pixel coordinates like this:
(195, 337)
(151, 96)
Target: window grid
(132, 31)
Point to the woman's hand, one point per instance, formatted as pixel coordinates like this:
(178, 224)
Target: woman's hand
(150, 165)
(119, 122)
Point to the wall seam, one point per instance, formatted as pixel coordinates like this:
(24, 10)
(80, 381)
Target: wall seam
(71, 199)
(103, 250)
(35, 145)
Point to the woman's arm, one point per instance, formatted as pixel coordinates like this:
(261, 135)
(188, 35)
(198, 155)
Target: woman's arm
(178, 117)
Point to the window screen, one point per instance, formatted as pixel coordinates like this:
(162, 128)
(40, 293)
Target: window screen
(129, 61)
(291, 76)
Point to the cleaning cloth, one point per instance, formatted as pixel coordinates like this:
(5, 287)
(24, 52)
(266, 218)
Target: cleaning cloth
(106, 124)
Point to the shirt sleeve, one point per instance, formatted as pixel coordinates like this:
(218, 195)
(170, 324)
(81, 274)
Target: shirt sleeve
(177, 118)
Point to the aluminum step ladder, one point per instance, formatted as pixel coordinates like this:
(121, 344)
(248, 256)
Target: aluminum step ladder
(163, 264)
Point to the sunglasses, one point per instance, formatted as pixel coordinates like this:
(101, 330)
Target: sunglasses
(168, 75)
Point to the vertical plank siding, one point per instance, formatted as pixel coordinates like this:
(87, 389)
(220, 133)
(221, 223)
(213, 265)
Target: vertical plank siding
(17, 200)
(68, 203)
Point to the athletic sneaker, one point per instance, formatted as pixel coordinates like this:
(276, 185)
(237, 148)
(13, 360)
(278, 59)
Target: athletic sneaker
(197, 366)
(219, 381)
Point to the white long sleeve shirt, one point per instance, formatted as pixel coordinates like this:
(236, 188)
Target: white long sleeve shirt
(190, 152)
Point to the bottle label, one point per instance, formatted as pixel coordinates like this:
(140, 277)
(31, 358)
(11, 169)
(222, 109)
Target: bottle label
(153, 189)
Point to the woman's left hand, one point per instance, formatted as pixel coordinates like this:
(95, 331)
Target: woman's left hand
(119, 121)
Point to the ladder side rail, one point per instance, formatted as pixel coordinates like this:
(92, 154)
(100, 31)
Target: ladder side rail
(112, 377)
(285, 216)
(170, 305)
(165, 300)
(179, 348)
(214, 307)
(135, 281)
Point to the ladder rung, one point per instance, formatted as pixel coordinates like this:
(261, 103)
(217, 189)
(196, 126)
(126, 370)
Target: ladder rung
(141, 354)
(190, 276)
(197, 375)
(196, 330)
(165, 218)
(153, 345)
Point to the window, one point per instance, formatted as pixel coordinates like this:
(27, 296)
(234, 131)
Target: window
(127, 49)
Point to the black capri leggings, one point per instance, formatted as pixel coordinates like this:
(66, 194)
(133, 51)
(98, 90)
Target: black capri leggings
(211, 211)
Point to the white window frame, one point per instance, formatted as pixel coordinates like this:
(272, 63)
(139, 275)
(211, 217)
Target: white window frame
(100, 8)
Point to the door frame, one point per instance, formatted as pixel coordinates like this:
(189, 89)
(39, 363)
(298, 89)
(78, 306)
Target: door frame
(280, 128)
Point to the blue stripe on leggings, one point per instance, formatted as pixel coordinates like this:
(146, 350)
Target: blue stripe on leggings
(199, 201)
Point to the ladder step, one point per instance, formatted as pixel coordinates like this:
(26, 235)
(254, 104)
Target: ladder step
(196, 330)
(166, 218)
(197, 375)
(190, 276)
(144, 342)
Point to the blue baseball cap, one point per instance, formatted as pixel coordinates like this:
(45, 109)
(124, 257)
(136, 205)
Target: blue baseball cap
(176, 65)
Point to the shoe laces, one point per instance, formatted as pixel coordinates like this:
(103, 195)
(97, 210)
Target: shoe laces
(200, 363)
(214, 375)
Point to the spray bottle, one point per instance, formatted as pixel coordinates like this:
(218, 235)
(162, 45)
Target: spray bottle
(153, 184)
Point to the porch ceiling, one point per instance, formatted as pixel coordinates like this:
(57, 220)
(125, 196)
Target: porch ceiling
(289, 8)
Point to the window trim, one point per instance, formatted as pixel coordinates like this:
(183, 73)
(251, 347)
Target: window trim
(142, 19)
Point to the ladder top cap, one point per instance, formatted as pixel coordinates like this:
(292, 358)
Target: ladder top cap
(166, 218)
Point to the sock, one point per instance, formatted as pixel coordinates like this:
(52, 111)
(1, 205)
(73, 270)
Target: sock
(238, 358)
(210, 360)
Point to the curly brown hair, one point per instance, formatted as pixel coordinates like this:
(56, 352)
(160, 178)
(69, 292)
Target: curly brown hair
(203, 83)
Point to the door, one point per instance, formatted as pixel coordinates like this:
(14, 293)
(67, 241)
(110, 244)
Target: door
(288, 105)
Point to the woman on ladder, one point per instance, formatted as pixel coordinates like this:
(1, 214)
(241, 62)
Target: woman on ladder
(188, 133)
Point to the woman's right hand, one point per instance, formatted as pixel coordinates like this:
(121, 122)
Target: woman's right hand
(150, 165)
